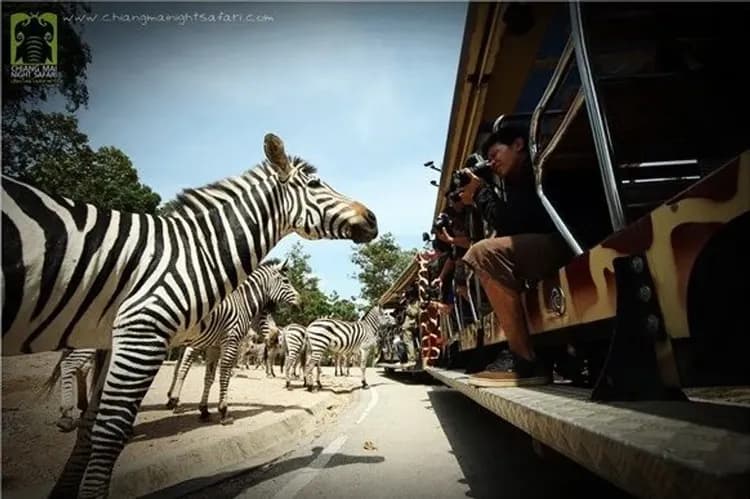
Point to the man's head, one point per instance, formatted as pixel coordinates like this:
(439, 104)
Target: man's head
(507, 149)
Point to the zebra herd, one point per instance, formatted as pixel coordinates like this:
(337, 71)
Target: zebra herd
(131, 286)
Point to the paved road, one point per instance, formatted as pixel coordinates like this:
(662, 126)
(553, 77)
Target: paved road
(404, 439)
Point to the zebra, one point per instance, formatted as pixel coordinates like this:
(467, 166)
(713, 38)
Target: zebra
(344, 361)
(294, 349)
(75, 276)
(342, 337)
(73, 364)
(225, 328)
(251, 352)
(273, 346)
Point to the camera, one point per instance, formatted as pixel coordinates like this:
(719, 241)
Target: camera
(436, 243)
(432, 293)
(476, 165)
(454, 196)
(443, 221)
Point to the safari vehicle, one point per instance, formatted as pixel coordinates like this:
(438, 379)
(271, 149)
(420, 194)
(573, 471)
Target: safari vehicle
(640, 142)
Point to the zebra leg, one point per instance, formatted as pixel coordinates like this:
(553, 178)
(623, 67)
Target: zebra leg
(178, 377)
(212, 359)
(69, 482)
(320, 386)
(289, 365)
(68, 371)
(81, 389)
(133, 368)
(363, 366)
(313, 359)
(228, 359)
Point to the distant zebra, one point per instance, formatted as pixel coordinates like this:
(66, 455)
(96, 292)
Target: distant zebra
(294, 349)
(344, 361)
(73, 365)
(251, 352)
(75, 276)
(339, 337)
(273, 346)
(226, 327)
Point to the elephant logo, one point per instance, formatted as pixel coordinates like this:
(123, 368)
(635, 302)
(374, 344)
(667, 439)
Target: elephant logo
(33, 39)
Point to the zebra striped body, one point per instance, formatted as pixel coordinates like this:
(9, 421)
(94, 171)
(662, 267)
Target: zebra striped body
(75, 276)
(223, 331)
(343, 337)
(294, 349)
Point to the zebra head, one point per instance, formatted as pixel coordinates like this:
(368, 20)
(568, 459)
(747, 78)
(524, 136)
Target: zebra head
(314, 208)
(278, 288)
(382, 318)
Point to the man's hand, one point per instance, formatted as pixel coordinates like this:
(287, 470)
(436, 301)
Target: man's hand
(444, 236)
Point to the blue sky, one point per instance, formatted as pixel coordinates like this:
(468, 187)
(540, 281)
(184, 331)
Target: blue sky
(361, 90)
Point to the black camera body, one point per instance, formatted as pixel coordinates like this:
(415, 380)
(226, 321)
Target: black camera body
(432, 293)
(476, 165)
(443, 221)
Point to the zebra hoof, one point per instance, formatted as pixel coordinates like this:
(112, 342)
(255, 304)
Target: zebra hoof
(172, 403)
(309, 388)
(227, 420)
(205, 415)
(365, 386)
(66, 424)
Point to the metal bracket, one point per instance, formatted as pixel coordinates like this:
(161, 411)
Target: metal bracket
(631, 370)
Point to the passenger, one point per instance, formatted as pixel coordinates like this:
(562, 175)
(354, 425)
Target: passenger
(527, 246)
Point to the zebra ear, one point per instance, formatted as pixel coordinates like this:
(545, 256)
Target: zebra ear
(284, 265)
(274, 149)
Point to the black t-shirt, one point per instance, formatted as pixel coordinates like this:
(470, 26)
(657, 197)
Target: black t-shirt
(515, 209)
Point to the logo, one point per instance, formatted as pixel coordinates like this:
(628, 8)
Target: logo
(557, 301)
(33, 47)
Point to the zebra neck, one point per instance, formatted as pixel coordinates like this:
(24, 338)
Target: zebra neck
(231, 226)
(371, 323)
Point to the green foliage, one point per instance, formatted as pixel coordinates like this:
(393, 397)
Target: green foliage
(73, 58)
(314, 303)
(380, 263)
(50, 152)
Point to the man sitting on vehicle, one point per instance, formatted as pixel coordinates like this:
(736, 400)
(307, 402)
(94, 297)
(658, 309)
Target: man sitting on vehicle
(527, 246)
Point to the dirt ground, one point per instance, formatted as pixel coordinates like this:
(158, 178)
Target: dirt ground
(34, 450)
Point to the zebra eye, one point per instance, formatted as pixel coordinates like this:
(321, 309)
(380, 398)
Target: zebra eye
(313, 182)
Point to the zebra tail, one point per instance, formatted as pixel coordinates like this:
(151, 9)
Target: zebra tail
(101, 363)
(303, 355)
(49, 385)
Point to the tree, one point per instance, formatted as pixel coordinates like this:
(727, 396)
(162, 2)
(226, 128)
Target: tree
(50, 152)
(341, 308)
(380, 263)
(73, 57)
(313, 302)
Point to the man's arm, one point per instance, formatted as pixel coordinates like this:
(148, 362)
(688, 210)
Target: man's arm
(489, 206)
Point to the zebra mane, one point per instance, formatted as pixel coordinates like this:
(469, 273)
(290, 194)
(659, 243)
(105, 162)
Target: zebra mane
(269, 262)
(188, 199)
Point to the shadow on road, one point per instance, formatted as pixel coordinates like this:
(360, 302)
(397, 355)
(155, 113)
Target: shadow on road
(497, 459)
(187, 419)
(235, 482)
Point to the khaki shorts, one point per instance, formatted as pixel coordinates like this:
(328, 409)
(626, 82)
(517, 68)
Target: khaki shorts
(512, 259)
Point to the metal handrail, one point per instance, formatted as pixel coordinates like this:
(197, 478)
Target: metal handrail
(597, 120)
(566, 59)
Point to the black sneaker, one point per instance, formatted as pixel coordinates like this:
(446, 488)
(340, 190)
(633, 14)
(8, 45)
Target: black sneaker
(511, 370)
